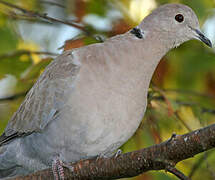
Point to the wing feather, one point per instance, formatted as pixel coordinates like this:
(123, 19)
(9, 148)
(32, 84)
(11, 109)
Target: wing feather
(45, 99)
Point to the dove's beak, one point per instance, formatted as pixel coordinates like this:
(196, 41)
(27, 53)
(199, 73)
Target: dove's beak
(202, 37)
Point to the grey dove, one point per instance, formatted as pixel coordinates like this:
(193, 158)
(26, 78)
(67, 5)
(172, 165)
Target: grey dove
(89, 101)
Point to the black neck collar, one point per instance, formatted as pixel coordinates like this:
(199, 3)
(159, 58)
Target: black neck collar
(137, 32)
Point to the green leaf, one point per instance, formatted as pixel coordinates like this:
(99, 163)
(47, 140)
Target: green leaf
(97, 7)
(14, 65)
(8, 40)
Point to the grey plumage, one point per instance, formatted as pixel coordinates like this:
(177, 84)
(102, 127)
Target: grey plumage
(90, 101)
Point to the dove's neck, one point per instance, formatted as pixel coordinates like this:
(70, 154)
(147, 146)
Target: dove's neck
(129, 62)
(140, 57)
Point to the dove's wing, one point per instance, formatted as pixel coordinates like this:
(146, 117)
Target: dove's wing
(45, 99)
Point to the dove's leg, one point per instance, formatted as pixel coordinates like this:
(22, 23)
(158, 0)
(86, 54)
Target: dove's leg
(115, 155)
(119, 151)
(57, 168)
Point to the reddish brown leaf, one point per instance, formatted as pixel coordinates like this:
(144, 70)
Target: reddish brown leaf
(120, 27)
(71, 44)
(154, 129)
(80, 9)
(160, 73)
(144, 177)
(210, 83)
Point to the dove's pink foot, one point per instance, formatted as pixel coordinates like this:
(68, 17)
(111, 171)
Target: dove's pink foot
(57, 168)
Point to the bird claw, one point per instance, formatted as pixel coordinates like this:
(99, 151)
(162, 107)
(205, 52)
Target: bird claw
(173, 137)
(100, 156)
(57, 169)
(119, 151)
(71, 168)
(115, 155)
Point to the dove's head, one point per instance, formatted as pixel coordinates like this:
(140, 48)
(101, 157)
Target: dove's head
(175, 23)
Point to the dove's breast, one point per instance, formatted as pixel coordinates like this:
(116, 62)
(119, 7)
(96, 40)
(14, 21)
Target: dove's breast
(102, 110)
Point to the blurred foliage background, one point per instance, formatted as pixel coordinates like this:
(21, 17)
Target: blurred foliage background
(182, 92)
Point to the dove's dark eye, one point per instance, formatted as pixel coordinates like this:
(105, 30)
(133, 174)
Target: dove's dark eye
(179, 18)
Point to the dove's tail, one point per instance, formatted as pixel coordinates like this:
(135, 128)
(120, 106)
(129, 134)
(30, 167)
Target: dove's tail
(8, 164)
(7, 173)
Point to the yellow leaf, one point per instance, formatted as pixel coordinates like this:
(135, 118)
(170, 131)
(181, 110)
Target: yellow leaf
(30, 47)
(28, 4)
(141, 8)
(24, 58)
(2, 20)
(186, 114)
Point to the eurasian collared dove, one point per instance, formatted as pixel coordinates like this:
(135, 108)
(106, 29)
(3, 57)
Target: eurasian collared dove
(89, 101)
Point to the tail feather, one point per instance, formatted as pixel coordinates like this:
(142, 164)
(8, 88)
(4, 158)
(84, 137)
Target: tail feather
(8, 173)
(8, 166)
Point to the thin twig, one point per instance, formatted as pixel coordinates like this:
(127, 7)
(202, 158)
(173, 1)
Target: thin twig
(15, 16)
(169, 106)
(194, 93)
(44, 16)
(177, 173)
(199, 163)
(182, 121)
(21, 52)
(52, 3)
(191, 104)
(183, 91)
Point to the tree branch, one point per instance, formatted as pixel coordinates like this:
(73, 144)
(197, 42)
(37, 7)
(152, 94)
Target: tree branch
(16, 16)
(177, 173)
(21, 52)
(163, 156)
(52, 3)
(43, 16)
(198, 164)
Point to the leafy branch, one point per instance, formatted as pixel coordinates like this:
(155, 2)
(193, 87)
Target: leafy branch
(21, 52)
